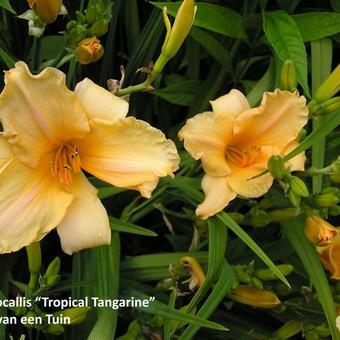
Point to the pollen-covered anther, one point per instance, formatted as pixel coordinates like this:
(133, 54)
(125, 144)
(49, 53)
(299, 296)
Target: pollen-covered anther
(242, 158)
(66, 161)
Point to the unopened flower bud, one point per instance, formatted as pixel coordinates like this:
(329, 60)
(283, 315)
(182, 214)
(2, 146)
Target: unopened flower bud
(89, 50)
(55, 329)
(322, 331)
(284, 214)
(254, 297)
(335, 168)
(318, 231)
(298, 186)
(53, 268)
(257, 283)
(266, 274)
(328, 106)
(46, 10)
(91, 14)
(99, 28)
(327, 198)
(288, 330)
(288, 76)
(294, 198)
(257, 218)
(329, 87)
(53, 280)
(76, 315)
(80, 17)
(276, 167)
(76, 34)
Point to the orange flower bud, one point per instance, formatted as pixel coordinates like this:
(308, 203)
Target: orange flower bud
(46, 10)
(89, 50)
(330, 257)
(318, 231)
(255, 297)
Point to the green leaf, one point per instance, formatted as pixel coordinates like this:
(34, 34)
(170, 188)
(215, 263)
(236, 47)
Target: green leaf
(6, 5)
(285, 37)
(214, 47)
(222, 287)
(215, 18)
(232, 225)
(158, 308)
(182, 93)
(266, 83)
(6, 58)
(317, 25)
(294, 231)
(126, 227)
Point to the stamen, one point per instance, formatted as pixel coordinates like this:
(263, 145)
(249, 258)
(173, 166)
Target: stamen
(66, 161)
(242, 158)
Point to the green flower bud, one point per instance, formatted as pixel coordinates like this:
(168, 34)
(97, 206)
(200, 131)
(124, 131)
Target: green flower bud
(91, 14)
(288, 330)
(301, 136)
(276, 167)
(329, 87)
(71, 24)
(298, 186)
(258, 218)
(294, 198)
(282, 290)
(335, 168)
(256, 282)
(53, 280)
(284, 214)
(76, 34)
(243, 277)
(328, 106)
(311, 335)
(18, 311)
(322, 331)
(76, 315)
(99, 28)
(80, 17)
(288, 76)
(55, 329)
(30, 314)
(326, 200)
(34, 257)
(53, 268)
(267, 275)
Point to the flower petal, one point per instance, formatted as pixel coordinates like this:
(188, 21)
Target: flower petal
(206, 137)
(277, 121)
(218, 194)
(100, 103)
(6, 154)
(232, 103)
(129, 154)
(242, 182)
(296, 163)
(86, 223)
(38, 112)
(32, 203)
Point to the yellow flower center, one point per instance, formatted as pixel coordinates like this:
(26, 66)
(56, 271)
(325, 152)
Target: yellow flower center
(66, 161)
(242, 158)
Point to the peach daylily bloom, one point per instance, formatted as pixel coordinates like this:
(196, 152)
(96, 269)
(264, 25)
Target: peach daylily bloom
(234, 143)
(50, 135)
(330, 257)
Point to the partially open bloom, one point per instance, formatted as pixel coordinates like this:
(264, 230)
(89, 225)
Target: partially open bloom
(89, 51)
(319, 231)
(234, 143)
(330, 257)
(46, 10)
(50, 135)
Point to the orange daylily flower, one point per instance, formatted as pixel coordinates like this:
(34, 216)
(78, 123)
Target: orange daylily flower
(234, 143)
(50, 135)
(330, 257)
(46, 10)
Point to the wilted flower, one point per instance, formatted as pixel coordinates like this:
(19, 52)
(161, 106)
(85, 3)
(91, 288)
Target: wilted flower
(46, 10)
(89, 50)
(319, 231)
(50, 135)
(235, 142)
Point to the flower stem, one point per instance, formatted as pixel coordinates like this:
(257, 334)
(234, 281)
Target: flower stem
(34, 265)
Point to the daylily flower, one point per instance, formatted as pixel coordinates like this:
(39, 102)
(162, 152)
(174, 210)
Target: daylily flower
(50, 135)
(234, 143)
(330, 257)
(46, 10)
